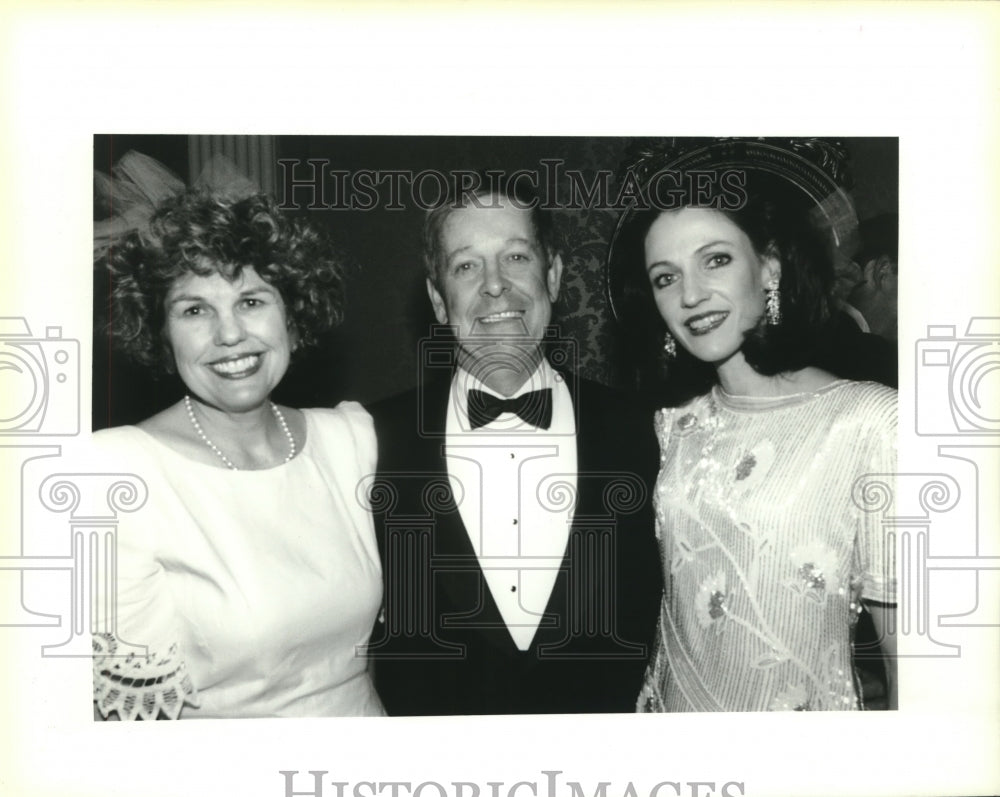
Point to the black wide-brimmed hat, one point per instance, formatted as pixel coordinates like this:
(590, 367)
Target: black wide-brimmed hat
(812, 173)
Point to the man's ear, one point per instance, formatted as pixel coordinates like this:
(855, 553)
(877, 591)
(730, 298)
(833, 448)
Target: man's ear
(437, 302)
(553, 279)
(883, 272)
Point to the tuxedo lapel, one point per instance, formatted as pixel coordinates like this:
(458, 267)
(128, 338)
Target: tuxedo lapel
(553, 627)
(456, 567)
(581, 577)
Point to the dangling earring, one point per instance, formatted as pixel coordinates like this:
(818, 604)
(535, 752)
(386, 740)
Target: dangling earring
(669, 345)
(773, 303)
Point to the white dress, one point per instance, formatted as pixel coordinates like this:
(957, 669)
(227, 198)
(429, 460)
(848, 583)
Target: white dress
(244, 593)
(768, 548)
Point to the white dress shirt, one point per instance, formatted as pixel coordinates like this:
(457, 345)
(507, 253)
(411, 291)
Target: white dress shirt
(515, 486)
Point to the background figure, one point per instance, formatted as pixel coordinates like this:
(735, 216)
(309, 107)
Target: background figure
(766, 557)
(861, 343)
(514, 525)
(250, 577)
(876, 295)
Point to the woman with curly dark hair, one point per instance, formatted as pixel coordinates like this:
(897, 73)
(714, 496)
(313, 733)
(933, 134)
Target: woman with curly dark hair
(249, 580)
(768, 552)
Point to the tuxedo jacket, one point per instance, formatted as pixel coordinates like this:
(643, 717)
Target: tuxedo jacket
(440, 645)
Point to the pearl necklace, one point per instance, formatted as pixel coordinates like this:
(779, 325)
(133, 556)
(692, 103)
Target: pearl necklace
(204, 437)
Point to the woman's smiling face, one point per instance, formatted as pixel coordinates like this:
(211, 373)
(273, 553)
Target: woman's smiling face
(230, 340)
(707, 280)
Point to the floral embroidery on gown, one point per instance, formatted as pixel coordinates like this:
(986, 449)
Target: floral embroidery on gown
(766, 555)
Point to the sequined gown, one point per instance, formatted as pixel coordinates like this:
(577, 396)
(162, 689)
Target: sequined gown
(767, 547)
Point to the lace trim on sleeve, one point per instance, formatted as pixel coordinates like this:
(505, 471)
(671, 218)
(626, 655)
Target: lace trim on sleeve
(139, 685)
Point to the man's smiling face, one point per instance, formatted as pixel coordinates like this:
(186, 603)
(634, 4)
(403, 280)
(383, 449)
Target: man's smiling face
(496, 286)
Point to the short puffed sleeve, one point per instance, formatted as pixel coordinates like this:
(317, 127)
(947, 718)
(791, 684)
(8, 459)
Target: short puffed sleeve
(873, 491)
(345, 448)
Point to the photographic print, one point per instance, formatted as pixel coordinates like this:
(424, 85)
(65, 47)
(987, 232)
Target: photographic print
(558, 425)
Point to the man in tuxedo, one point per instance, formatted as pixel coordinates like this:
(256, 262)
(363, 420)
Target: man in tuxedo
(512, 500)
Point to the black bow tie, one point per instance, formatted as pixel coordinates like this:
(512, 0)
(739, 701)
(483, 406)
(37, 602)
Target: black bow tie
(534, 408)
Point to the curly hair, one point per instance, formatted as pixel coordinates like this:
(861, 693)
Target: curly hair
(201, 233)
(775, 227)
